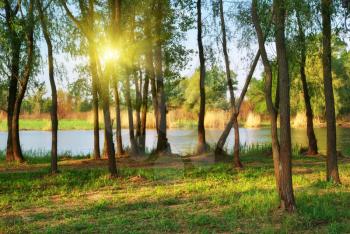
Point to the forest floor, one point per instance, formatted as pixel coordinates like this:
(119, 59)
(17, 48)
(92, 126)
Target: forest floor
(170, 195)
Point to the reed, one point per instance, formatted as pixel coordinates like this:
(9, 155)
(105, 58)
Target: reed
(253, 120)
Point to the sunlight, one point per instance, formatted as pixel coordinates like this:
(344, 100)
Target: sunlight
(110, 54)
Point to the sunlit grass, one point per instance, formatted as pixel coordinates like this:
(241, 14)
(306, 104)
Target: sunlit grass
(200, 199)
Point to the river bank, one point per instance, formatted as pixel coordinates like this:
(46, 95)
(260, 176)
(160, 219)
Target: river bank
(176, 119)
(81, 124)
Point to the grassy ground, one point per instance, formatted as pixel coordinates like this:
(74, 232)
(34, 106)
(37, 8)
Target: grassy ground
(170, 195)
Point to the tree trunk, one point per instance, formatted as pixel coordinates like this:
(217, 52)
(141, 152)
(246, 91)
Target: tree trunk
(288, 201)
(138, 87)
(109, 134)
(53, 112)
(202, 145)
(120, 150)
(312, 148)
(332, 161)
(97, 154)
(154, 99)
(268, 95)
(219, 146)
(222, 140)
(94, 75)
(133, 145)
(144, 108)
(12, 93)
(162, 143)
(17, 151)
(236, 159)
(149, 76)
(103, 91)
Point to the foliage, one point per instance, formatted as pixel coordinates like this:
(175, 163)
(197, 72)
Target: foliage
(215, 90)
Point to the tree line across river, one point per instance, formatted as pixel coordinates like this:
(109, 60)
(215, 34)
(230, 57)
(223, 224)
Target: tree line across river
(135, 54)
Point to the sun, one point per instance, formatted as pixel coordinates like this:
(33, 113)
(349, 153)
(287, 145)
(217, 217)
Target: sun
(110, 54)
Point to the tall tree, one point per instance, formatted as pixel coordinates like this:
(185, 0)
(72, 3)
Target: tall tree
(54, 117)
(201, 145)
(312, 146)
(131, 71)
(332, 161)
(86, 26)
(15, 43)
(116, 31)
(285, 166)
(162, 143)
(23, 80)
(234, 106)
(149, 76)
(271, 107)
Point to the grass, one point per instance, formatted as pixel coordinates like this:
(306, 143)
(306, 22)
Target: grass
(211, 198)
(45, 124)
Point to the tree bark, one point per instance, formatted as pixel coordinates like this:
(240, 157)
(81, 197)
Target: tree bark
(219, 146)
(119, 140)
(108, 131)
(144, 108)
(97, 154)
(273, 112)
(150, 76)
(13, 80)
(288, 201)
(162, 143)
(17, 151)
(94, 75)
(201, 145)
(332, 161)
(133, 144)
(236, 159)
(54, 117)
(12, 91)
(312, 146)
(138, 87)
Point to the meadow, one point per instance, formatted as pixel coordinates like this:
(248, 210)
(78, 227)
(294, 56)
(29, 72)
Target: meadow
(170, 195)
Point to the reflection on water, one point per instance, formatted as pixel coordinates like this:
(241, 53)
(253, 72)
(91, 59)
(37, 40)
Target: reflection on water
(182, 141)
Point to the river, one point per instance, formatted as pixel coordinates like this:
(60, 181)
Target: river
(182, 141)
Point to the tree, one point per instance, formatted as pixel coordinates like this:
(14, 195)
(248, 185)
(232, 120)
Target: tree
(201, 145)
(271, 107)
(162, 143)
(15, 45)
(86, 26)
(285, 168)
(312, 146)
(332, 163)
(54, 116)
(149, 76)
(18, 27)
(234, 106)
(116, 32)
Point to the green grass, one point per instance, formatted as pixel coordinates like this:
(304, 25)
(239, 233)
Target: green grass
(45, 124)
(199, 199)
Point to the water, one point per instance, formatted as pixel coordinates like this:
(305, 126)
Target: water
(182, 141)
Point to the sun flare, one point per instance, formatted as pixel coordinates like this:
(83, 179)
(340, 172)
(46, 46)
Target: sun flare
(110, 54)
